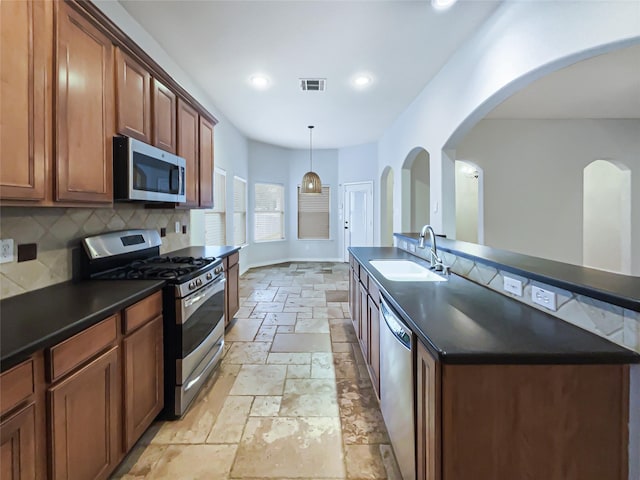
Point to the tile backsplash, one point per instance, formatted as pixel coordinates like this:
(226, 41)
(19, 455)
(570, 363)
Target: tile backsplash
(57, 231)
(620, 325)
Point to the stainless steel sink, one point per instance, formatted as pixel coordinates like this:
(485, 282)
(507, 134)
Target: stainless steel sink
(405, 271)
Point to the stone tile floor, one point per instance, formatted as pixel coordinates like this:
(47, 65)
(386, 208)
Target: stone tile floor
(292, 398)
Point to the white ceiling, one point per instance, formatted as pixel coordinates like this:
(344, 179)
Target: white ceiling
(606, 86)
(221, 44)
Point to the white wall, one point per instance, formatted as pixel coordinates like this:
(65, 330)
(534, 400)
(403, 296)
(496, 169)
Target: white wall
(533, 179)
(523, 41)
(271, 164)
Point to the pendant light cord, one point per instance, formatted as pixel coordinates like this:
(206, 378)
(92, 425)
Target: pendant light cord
(310, 147)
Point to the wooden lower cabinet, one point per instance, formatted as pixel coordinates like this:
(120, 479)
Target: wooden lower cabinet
(427, 416)
(18, 445)
(552, 422)
(143, 380)
(232, 288)
(85, 421)
(374, 344)
(354, 301)
(363, 333)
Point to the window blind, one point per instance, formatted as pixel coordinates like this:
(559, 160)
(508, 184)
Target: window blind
(269, 212)
(313, 215)
(215, 219)
(239, 211)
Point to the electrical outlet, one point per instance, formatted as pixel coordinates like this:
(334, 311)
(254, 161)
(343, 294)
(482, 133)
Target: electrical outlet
(512, 285)
(544, 297)
(6, 250)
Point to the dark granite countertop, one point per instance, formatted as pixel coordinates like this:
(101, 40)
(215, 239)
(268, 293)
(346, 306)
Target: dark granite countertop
(42, 318)
(463, 322)
(615, 288)
(205, 251)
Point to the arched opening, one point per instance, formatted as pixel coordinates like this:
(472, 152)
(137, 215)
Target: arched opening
(415, 190)
(606, 229)
(386, 207)
(469, 196)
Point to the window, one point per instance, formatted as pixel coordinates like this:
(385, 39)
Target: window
(269, 212)
(313, 215)
(239, 211)
(215, 219)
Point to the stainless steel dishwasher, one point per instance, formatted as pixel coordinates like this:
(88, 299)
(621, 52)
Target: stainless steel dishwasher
(396, 387)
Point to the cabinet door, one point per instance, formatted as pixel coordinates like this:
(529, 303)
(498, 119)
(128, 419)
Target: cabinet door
(374, 344)
(25, 68)
(354, 301)
(143, 380)
(188, 125)
(133, 98)
(428, 415)
(18, 445)
(85, 421)
(164, 117)
(84, 110)
(232, 288)
(364, 322)
(206, 163)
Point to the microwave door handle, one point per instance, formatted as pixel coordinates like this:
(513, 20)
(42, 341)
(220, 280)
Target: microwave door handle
(180, 180)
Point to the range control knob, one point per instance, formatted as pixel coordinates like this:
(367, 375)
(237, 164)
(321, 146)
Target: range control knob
(209, 276)
(218, 270)
(199, 282)
(192, 285)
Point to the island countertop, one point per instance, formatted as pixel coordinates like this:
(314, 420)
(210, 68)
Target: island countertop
(463, 322)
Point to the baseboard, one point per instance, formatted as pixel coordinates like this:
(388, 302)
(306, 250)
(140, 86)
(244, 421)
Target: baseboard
(297, 260)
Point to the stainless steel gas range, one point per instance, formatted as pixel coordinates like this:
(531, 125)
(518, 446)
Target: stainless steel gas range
(193, 305)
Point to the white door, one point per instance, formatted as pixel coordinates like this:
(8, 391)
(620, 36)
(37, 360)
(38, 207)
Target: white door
(358, 216)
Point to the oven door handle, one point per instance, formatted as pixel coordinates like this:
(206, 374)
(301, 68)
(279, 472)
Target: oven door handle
(205, 293)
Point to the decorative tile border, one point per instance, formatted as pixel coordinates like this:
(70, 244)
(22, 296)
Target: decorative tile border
(57, 231)
(620, 325)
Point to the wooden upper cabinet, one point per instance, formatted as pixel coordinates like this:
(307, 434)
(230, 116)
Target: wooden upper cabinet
(25, 70)
(84, 122)
(133, 98)
(188, 124)
(164, 117)
(206, 163)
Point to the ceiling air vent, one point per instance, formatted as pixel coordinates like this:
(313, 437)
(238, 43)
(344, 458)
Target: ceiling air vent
(313, 84)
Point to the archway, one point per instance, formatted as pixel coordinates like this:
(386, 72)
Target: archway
(469, 202)
(386, 207)
(415, 190)
(606, 228)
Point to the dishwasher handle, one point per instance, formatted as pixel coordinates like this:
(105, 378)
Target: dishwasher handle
(395, 325)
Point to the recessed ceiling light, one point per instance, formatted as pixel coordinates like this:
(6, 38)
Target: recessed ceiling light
(362, 80)
(259, 81)
(442, 4)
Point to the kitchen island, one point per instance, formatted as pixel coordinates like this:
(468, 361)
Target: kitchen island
(502, 390)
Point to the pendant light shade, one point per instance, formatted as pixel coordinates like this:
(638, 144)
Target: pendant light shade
(311, 182)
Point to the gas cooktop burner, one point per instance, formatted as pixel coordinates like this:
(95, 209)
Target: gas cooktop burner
(178, 268)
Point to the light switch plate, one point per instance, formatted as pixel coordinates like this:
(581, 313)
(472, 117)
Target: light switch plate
(6, 250)
(512, 285)
(544, 297)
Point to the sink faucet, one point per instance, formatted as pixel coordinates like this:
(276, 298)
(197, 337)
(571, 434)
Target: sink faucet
(434, 260)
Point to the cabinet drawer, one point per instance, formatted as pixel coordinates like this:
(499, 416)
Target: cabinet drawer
(73, 352)
(142, 312)
(16, 385)
(233, 259)
(364, 279)
(374, 292)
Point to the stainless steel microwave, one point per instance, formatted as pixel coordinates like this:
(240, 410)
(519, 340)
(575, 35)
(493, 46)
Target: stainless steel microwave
(146, 173)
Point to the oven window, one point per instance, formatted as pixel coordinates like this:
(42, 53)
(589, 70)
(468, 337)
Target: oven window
(201, 323)
(153, 175)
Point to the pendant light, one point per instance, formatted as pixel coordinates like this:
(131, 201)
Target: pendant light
(311, 181)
